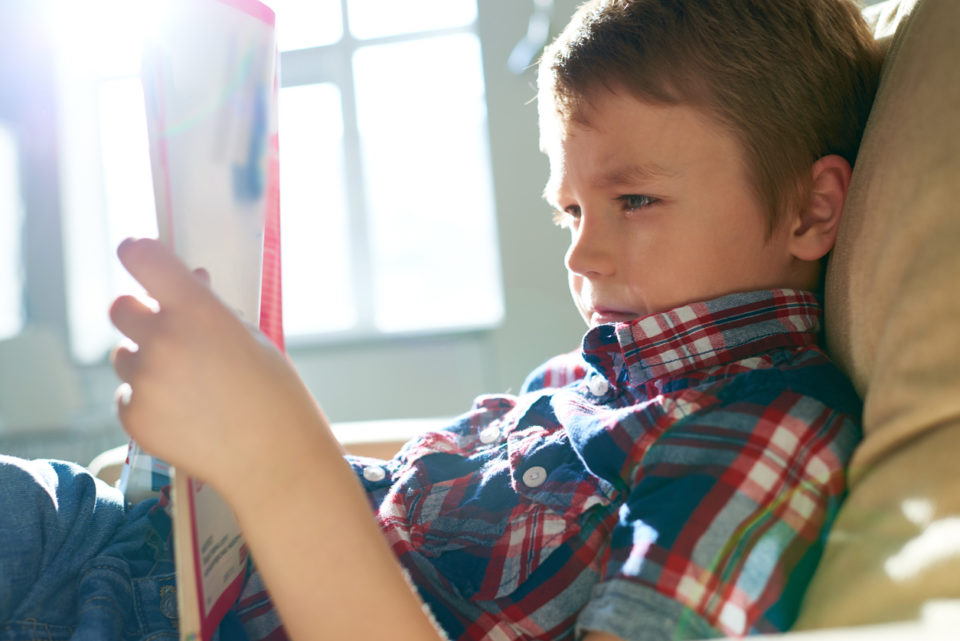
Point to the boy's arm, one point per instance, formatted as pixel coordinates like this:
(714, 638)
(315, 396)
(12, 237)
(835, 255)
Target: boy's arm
(328, 568)
(205, 393)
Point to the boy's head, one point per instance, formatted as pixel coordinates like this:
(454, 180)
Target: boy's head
(788, 82)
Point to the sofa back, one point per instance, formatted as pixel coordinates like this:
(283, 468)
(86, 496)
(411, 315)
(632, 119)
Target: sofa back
(893, 323)
(893, 283)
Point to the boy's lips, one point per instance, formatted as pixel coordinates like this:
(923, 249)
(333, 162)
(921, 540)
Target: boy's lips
(601, 315)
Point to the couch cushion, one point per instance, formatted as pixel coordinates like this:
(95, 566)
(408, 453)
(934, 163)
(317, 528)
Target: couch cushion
(895, 545)
(893, 283)
(893, 322)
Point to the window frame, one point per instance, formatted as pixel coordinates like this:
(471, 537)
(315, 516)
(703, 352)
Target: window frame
(333, 63)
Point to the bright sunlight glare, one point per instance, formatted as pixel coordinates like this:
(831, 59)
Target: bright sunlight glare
(106, 36)
(98, 47)
(11, 302)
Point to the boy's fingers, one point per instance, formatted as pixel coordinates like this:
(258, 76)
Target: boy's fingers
(123, 398)
(125, 363)
(158, 269)
(132, 317)
(203, 275)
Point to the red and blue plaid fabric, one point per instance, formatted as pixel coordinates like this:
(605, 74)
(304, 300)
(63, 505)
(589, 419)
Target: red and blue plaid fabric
(675, 479)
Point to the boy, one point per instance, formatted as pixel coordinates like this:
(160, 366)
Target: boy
(674, 479)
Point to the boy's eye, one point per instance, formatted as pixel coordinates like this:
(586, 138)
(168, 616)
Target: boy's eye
(566, 218)
(637, 201)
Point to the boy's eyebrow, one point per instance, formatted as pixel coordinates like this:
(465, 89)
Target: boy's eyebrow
(625, 175)
(630, 174)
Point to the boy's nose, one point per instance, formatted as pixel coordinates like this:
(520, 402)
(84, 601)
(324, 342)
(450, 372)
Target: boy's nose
(591, 252)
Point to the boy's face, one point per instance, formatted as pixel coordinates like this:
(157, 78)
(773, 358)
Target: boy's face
(660, 210)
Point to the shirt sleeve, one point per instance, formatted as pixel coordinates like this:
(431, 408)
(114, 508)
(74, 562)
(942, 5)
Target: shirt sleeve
(726, 521)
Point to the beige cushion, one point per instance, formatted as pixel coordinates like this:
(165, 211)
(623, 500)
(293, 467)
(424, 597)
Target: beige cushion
(893, 323)
(893, 286)
(896, 543)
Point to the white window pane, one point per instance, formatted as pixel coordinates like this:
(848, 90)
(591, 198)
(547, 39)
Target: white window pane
(103, 36)
(428, 184)
(307, 24)
(376, 18)
(128, 185)
(94, 275)
(317, 293)
(11, 219)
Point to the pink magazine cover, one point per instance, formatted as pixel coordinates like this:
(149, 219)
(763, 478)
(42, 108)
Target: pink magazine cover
(210, 88)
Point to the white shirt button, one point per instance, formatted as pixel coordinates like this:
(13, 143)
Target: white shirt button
(598, 385)
(489, 435)
(534, 476)
(374, 473)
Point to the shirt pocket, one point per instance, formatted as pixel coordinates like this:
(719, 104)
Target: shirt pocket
(489, 530)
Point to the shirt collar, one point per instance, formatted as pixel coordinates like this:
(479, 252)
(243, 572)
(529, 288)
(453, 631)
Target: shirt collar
(706, 334)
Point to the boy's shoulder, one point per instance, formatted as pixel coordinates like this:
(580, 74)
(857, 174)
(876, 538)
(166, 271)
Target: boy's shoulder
(799, 373)
(795, 402)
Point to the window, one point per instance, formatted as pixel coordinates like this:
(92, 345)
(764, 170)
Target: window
(11, 218)
(388, 222)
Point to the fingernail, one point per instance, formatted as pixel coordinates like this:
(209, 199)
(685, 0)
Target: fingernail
(123, 394)
(202, 274)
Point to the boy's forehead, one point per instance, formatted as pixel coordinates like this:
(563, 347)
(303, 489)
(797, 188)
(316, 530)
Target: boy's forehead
(562, 120)
(621, 141)
(625, 142)
(624, 120)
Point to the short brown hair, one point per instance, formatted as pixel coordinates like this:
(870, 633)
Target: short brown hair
(792, 79)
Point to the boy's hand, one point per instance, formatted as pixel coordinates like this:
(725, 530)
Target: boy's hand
(223, 404)
(202, 390)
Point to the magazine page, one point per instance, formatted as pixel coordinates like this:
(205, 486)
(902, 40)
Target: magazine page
(210, 87)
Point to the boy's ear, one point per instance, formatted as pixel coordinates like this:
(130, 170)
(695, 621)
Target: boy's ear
(815, 228)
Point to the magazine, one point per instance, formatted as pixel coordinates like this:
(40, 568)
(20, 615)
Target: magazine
(210, 88)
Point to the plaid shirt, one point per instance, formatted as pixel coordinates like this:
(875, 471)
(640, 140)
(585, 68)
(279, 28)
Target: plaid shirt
(673, 479)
